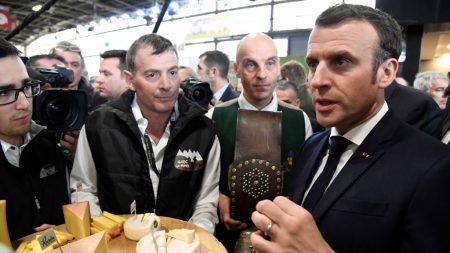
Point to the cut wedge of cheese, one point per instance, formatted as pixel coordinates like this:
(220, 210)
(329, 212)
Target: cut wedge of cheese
(177, 246)
(78, 219)
(116, 218)
(95, 243)
(140, 225)
(4, 234)
(182, 234)
(111, 227)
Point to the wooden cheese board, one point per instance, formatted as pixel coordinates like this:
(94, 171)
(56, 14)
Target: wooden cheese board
(120, 244)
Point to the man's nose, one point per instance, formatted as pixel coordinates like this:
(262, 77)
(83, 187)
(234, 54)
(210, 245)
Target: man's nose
(319, 76)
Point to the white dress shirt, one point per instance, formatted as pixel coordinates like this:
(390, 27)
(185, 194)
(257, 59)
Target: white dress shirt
(84, 171)
(220, 92)
(271, 107)
(356, 136)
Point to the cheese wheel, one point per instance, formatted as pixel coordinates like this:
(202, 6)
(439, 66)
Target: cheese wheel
(140, 225)
(178, 240)
(147, 245)
(176, 246)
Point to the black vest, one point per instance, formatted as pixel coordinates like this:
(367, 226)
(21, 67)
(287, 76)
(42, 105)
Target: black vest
(42, 174)
(122, 167)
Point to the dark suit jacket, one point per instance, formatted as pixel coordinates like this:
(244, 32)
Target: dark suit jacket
(229, 94)
(415, 108)
(393, 195)
(445, 121)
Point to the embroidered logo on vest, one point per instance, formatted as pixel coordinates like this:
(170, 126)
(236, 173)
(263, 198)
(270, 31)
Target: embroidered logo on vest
(47, 170)
(188, 160)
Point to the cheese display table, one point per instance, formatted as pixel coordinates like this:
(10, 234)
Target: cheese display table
(120, 244)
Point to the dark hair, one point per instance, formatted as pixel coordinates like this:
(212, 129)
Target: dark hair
(293, 71)
(33, 59)
(120, 54)
(157, 42)
(287, 85)
(388, 30)
(217, 59)
(7, 49)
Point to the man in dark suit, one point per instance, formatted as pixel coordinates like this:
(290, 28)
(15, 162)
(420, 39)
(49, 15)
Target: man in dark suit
(388, 190)
(213, 68)
(415, 108)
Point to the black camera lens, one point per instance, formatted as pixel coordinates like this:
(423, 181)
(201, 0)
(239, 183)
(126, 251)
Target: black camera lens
(58, 110)
(197, 91)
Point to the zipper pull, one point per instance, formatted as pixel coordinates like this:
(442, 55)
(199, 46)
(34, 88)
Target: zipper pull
(38, 206)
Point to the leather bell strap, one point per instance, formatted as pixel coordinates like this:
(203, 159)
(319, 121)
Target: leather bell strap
(256, 173)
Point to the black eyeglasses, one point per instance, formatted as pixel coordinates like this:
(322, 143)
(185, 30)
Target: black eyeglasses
(30, 88)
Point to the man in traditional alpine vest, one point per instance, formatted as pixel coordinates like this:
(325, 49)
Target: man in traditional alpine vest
(257, 65)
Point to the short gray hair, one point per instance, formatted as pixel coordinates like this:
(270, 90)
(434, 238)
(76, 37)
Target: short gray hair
(424, 80)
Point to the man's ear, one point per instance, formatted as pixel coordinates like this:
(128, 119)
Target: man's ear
(129, 79)
(235, 68)
(389, 71)
(214, 71)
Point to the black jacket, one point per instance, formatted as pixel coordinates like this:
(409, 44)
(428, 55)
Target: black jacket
(415, 108)
(229, 94)
(390, 196)
(93, 97)
(42, 174)
(121, 161)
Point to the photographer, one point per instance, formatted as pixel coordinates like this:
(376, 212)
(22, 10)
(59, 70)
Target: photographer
(33, 171)
(51, 71)
(74, 60)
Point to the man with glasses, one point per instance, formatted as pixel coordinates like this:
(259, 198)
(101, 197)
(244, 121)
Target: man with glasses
(33, 171)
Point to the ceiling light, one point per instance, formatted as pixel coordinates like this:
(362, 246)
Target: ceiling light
(36, 7)
(448, 46)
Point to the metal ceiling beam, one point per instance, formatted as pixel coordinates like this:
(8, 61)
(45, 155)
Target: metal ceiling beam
(103, 6)
(30, 18)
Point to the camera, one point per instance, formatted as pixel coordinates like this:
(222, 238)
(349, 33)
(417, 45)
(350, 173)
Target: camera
(60, 110)
(197, 91)
(57, 76)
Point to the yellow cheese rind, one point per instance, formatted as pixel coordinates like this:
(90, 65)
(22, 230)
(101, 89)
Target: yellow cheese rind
(4, 234)
(78, 222)
(113, 217)
(102, 223)
(34, 247)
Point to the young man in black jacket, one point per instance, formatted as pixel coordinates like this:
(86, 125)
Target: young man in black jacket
(33, 171)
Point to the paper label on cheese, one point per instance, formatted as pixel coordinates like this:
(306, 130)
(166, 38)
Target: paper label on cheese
(47, 239)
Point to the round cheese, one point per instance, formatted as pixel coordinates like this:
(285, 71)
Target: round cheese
(175, 241)
(140, 225)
